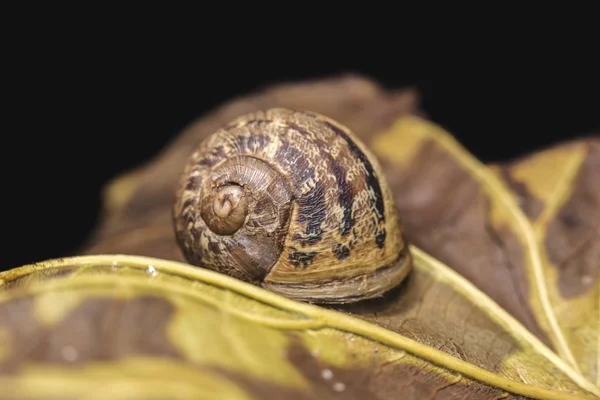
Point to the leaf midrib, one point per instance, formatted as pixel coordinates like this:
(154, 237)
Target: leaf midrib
(320, 317)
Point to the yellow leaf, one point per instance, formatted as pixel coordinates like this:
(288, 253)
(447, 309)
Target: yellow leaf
(559, 189)
(146, 328)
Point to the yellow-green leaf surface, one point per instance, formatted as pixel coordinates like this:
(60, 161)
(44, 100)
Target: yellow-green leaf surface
(559, 191)
(462, 213)
(135, 327)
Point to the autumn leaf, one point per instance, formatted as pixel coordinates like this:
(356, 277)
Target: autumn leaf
(135, 327)
(559, 191)
(501, 227)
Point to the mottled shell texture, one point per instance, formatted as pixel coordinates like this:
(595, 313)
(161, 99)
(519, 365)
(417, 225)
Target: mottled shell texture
(294, 202)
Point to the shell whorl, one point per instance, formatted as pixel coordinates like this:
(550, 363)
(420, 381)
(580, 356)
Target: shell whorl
(292, 201)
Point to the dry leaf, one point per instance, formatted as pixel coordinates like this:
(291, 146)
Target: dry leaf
(465, 214)
(185, 332)
(559, 191)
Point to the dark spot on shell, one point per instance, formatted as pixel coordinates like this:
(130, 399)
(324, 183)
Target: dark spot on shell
(298, 128)
(214, 247)
(341, 251)
(253, 142)
(193, 183)
(380, 238)
(312, 211)
(345, 197)
(301, 258)
(295, 161)
(216, 154)
(371, 178)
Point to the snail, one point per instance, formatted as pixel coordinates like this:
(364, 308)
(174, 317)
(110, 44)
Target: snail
(294, 202)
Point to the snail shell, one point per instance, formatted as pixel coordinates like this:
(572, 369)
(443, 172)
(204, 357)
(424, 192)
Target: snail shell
(291, 201)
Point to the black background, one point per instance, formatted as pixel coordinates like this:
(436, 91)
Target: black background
(82, 110)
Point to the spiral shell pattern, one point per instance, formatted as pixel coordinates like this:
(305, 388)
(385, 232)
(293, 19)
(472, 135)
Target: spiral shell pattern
(294, 202)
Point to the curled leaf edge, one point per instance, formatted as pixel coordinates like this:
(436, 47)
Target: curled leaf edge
(320, 317)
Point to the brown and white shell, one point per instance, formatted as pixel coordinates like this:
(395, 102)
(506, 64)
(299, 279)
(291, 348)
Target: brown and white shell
(294, 202)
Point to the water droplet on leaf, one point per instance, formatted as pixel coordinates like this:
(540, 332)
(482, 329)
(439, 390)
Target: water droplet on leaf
(339, 387)
(327, 374)
(151, 271)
